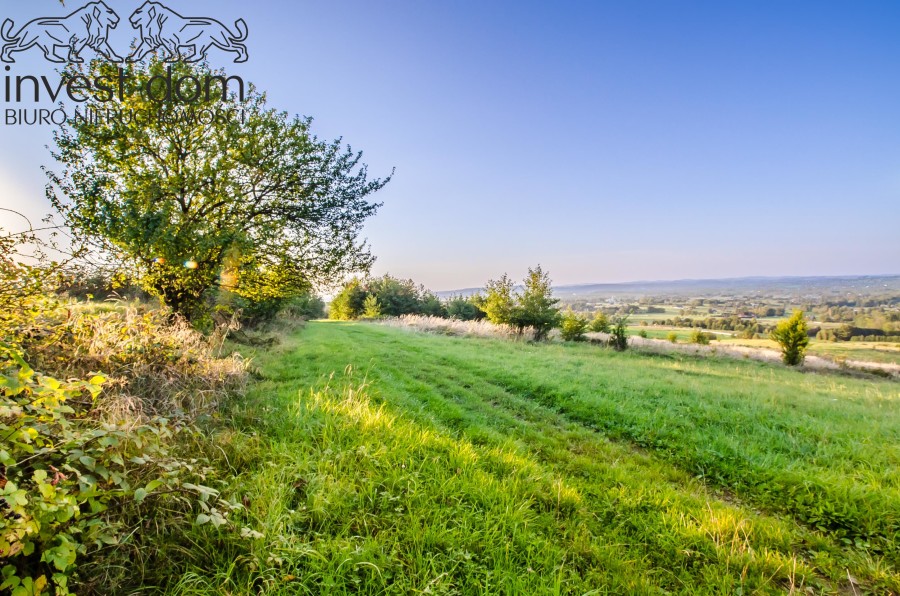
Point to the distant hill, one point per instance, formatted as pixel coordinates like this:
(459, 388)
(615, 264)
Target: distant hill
(854, 284)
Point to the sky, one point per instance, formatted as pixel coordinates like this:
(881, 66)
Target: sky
(607, 141)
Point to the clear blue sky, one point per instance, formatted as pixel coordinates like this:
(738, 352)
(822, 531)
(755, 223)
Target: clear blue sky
(609, 141)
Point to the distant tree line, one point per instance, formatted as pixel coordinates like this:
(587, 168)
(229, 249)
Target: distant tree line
(384, 296)
(527, 307)
(851, 333)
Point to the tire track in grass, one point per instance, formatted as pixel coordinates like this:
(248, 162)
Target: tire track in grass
(761, 470)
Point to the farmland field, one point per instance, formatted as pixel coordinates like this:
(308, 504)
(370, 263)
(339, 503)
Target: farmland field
(379, 460)
(869, 351)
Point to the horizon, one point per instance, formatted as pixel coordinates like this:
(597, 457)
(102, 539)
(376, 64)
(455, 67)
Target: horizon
(748, 278)
(604, 141)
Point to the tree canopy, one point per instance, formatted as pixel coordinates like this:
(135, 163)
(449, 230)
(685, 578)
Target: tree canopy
(254, 203)
(393, 297)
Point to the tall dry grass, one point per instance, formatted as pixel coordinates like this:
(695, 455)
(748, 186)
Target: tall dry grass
(441, 326)
(155, 365)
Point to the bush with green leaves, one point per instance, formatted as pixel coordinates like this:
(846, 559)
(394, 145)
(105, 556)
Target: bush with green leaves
(348, 303)
(371, 308)
(698, 336)
(573, 326)
(395, 297)
(618, 334)
(600, 324)
(464, 309)
(793, 337)
(500, 300)
(672, 337)
(77, 491)
(534, 308)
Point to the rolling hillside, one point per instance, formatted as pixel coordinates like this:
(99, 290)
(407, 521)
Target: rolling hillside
(380, 460)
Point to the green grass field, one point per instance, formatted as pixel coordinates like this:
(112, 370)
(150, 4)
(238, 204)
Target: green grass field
(378, 460)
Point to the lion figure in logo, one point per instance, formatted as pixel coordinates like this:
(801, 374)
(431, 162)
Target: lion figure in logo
(183, 38)
(86, 27)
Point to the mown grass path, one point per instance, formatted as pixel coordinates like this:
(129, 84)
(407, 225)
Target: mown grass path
(448, 465)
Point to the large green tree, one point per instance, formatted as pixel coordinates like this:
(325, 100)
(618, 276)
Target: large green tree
(251, 201)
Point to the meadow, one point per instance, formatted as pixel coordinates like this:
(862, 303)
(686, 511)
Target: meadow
(865, 351)
(373, 460)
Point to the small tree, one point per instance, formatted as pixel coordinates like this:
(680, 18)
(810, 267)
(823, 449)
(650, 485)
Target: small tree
(371, 308)
(349, 303)
(464, 309)
(793, 337)
(536, 307)
(618, 334)
(431, 305)
(573, 326)
(499, 301)
(672, 337)
(600, 324)
(699, 337)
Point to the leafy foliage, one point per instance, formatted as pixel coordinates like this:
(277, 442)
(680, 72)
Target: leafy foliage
(536, 307)
(84, 462)
(71, 487)
(573, 326)
(600, 323)
(618, 334)
(371, 308)
(465, 309)
(395, 298)
(500, 300)
(257, 204)
(698, 336)
(793, 337)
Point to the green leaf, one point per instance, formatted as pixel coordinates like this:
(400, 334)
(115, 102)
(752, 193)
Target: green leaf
(140, 494)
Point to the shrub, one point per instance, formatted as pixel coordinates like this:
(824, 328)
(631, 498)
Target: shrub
(306, 306)
(536, 307)
(698, 336)
(499, 300)
(573, 326)
(464, 309)
(348, 304)
(395, 298)
(642, 333)
(371, 308)
(793, 337)
(618, 335)
(600, 324)
(73, 485)
(672, 337)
